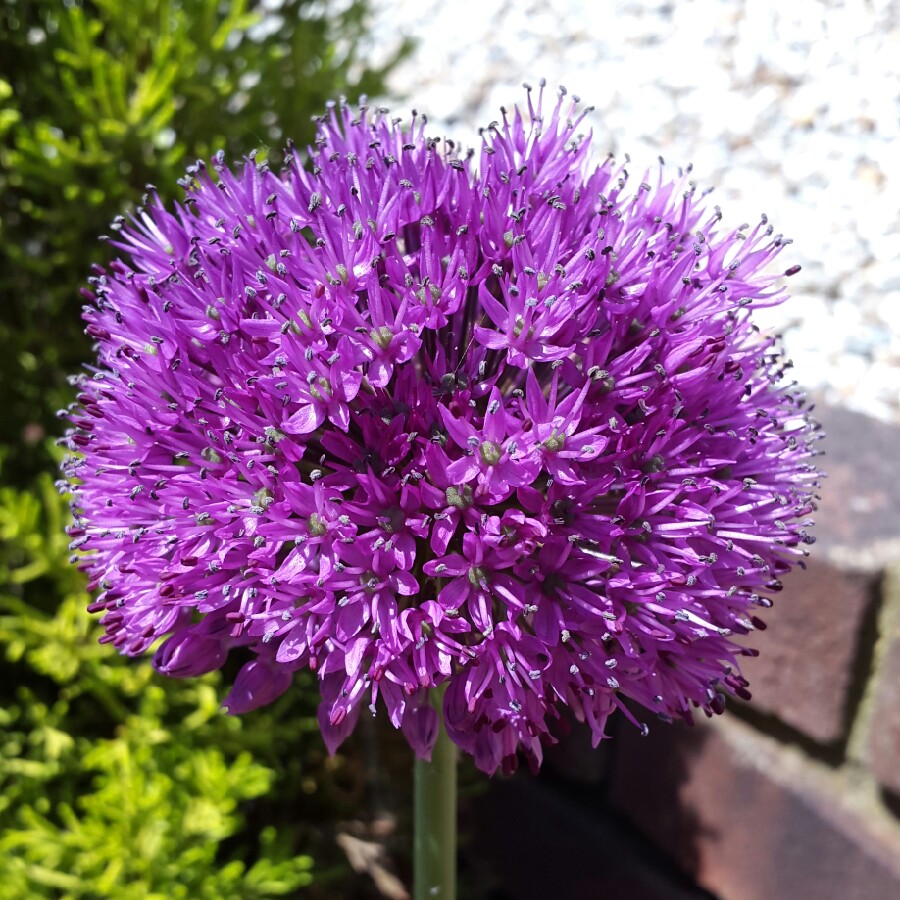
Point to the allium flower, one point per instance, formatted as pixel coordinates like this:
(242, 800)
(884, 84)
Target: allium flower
(408, 420)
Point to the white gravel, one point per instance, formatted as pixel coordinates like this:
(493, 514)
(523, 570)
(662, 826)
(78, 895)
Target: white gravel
(789, 107)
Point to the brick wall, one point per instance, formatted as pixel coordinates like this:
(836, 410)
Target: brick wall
(795, 795)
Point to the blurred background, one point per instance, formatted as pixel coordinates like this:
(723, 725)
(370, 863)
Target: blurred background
(117, 783)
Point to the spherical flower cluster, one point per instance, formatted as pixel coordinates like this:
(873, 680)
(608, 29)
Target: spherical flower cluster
(409, 421)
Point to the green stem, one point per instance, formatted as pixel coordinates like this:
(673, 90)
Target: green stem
(434, 836)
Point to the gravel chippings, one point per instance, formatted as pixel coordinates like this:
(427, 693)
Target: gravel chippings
(788, 108)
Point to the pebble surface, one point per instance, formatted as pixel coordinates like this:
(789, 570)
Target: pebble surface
(788, 108)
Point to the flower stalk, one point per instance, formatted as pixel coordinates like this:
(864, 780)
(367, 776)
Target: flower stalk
(434, 819)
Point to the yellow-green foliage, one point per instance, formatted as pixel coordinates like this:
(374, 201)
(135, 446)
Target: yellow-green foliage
(116, 782)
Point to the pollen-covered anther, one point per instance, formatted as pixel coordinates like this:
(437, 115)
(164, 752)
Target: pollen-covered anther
(606, 381)
(382, 336)
(263, 499)
(460, 497)
(369, 582)
(554, 443)
(316, 525)
(490, 452)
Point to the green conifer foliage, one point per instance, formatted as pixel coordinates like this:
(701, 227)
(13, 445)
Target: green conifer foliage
(99, 99)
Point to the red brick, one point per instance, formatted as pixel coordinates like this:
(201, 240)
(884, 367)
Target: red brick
(804, 672)
(752, 820)
(808, 653)
(884, 722)
(860, 510)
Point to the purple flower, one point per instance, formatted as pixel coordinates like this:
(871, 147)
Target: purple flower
(408, 420)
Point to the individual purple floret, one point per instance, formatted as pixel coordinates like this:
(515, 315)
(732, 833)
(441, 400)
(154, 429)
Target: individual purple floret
(499, 422)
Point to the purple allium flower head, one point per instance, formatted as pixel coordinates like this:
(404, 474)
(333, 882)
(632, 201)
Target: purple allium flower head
(407, 419)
